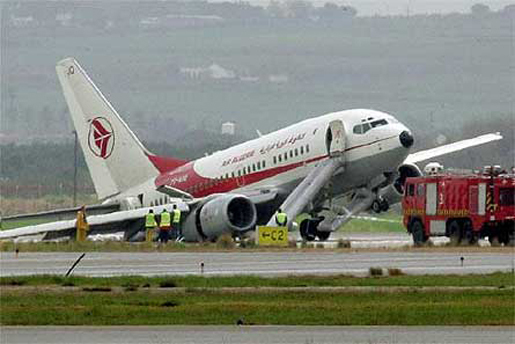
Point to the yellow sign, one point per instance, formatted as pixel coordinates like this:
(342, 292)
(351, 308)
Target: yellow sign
(276, 236)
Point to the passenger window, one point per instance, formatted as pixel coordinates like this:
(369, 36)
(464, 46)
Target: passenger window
(264, 164)
(301, 150)
(254, 167)
(239, 173)
(275, 160)
(232, 174)
(307, 148)
(291, 154)
(280, 158)
(296, 152)
(259, 165)
(285, 156)
(420, 190)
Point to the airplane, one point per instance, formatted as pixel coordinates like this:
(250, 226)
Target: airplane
(360, 155)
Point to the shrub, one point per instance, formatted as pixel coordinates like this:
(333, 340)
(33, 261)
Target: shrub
(292, 243)
(343, 243)
(395, 272)
(170, 304)
(168, 283)
(225, 241)
(374, 271)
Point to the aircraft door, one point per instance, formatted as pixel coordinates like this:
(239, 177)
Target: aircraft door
(335, 138)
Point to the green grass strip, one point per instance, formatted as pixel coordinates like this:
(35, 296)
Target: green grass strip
(498, 279)
(199, 307)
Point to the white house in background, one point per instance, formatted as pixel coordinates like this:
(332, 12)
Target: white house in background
(228, 128)
(214, 71)
(278, 78)
(218, 72)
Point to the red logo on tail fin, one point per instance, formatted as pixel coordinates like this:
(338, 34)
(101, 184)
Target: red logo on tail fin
(101, 137)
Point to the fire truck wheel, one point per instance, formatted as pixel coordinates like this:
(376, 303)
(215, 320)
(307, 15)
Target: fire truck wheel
(494, 241)
(417, 230)
(455, 233)
(511, 240)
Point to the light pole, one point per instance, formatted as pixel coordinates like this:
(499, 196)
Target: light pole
(75, 169)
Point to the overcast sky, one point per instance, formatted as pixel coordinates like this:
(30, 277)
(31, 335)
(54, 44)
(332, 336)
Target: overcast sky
(389, 7)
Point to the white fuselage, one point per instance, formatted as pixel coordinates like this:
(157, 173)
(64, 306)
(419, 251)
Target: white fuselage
(283, 158)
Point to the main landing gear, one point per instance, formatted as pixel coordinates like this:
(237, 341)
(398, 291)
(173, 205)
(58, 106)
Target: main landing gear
(379, 205)
(309, 230)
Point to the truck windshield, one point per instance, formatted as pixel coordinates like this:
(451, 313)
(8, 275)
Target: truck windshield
(507, 196)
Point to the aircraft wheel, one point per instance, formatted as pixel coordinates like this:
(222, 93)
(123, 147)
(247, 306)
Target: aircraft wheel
(417, 230)
(384, 205)
(376, 206)
(323, 235)
(308, 230)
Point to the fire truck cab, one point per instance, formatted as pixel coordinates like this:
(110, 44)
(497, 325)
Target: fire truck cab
(461, 207)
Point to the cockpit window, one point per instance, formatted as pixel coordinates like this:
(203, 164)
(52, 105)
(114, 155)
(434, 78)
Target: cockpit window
(366, 126)
(378, 123)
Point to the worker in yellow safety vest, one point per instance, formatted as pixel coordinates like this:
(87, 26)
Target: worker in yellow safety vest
(177, 222)
(150, 225)
(281, 218)
(81, 225)
(164, 226)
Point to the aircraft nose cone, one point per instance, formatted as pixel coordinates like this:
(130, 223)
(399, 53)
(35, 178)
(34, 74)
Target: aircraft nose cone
(406, 139)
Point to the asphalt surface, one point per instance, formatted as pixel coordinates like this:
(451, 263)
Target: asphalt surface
(257, 334)
(257, 263)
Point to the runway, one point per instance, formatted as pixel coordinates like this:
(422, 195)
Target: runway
(255, 263)
(258, 334)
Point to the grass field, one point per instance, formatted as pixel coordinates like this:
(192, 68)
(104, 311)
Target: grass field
(293, 300)
(497, 279)
(21, 307)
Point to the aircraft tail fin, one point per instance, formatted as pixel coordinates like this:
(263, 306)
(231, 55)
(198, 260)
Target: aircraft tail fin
(115, 157)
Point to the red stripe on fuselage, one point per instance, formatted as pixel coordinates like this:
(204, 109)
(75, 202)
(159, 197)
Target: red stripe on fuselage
(188, 180)
(185, 178)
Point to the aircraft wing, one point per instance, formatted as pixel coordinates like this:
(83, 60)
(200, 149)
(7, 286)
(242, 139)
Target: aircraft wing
(452, 147)
(105, 223)
(65, 213)
(174, 192)
(262, 195)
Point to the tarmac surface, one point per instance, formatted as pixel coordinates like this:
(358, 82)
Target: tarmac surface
(255, 262)
(258, 334)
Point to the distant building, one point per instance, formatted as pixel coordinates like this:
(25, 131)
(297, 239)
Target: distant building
(228, 128)
(278, 78)
(212, 72)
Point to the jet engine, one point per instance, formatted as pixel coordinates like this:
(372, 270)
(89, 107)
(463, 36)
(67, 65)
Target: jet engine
(219, 214)
(393, 193)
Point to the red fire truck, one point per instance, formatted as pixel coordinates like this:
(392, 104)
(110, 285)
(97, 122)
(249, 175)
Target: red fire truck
(461, 207)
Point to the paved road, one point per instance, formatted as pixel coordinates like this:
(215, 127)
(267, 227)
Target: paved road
(257, 334)
(259, 263)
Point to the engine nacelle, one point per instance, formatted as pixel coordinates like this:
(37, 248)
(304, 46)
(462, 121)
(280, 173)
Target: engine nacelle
(393, 193)
(219, 214)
